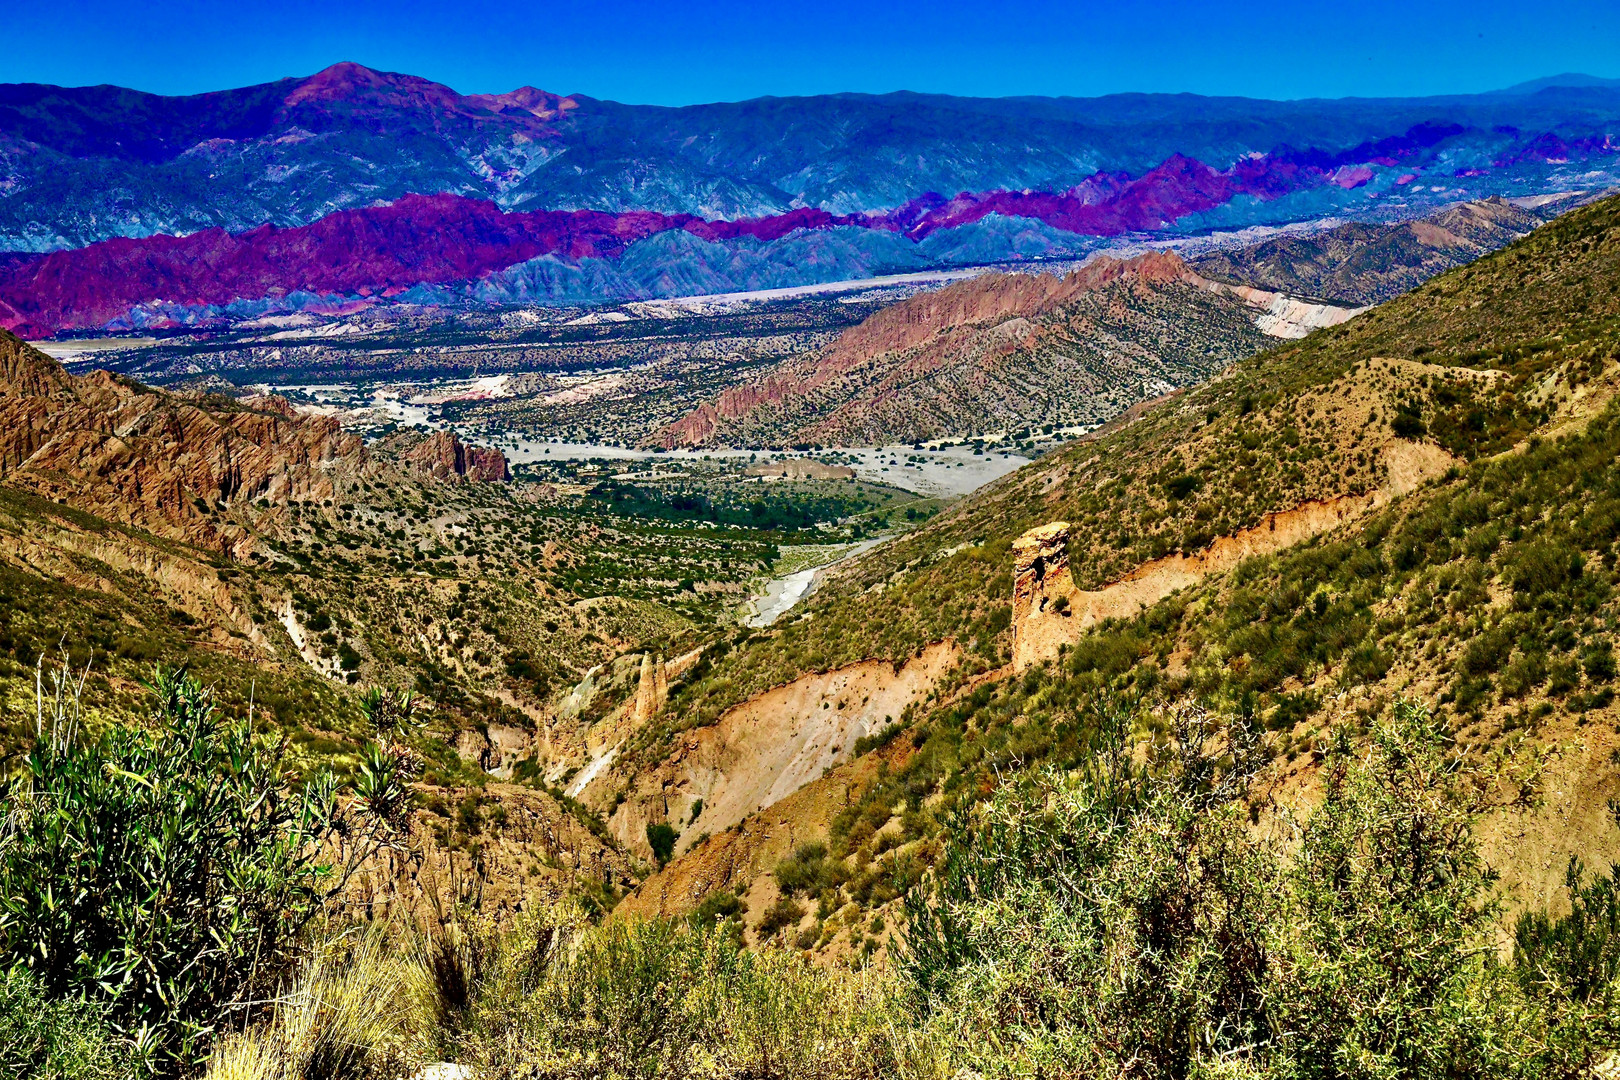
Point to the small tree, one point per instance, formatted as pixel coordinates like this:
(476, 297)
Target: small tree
(661, 837)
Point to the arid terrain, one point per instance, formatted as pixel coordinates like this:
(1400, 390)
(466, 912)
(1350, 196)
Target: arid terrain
(522, 586)
(579, 624)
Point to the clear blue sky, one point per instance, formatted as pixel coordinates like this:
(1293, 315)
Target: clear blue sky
(709, 50)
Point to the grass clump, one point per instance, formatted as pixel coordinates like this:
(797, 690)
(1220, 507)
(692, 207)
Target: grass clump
(650, 998)
(355, 1012)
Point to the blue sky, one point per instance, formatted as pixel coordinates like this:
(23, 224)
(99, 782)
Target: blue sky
(709, 50)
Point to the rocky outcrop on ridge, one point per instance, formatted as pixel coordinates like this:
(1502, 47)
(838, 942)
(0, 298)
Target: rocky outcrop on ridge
(1041, 586)
(443, 456)
(164, 463)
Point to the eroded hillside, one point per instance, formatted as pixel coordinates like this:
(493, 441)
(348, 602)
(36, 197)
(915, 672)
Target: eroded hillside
(1002, 352)
(1419, 502)
(291, 568)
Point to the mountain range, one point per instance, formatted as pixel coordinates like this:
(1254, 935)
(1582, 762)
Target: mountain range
(122, 210)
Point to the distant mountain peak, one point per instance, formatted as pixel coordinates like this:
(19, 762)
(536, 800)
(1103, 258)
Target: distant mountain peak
(1568, 80)
(541, 103)
(348, 80)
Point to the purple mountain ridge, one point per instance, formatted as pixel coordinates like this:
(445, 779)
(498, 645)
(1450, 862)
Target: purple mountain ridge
(120, 209)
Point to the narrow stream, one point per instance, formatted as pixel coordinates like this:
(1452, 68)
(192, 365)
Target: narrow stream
(782, 593)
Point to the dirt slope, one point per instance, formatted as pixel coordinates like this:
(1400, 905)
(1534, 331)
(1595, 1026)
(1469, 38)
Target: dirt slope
(764, 750)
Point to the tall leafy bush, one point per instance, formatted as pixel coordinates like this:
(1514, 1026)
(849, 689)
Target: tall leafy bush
(160, 872)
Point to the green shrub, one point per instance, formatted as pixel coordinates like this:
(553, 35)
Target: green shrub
(661, 837)
(1599, 662)
(723, 909)
(1576, 955)
(808, 870)
(1569, 966)
(1383, 951)
(1126, 919)
(782, 915)
(161, 873)
(1100, 923)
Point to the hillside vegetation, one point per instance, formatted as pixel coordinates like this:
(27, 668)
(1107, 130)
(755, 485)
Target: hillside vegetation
(1472, 363)
(1120, 917)
(1482, 583)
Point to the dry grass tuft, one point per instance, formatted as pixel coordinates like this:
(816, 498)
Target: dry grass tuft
(354, 1014)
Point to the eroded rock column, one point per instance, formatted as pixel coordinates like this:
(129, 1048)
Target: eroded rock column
(651, 692)
(1041, 589)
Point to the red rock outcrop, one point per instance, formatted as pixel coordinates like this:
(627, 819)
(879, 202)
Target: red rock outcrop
(443, 456)
(148, 458)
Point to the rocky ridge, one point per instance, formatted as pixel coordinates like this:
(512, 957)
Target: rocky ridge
(443, 456)
(999, 352)
(164, 463)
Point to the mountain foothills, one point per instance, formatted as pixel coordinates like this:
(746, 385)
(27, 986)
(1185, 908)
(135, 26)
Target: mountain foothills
(163, 463)
(1345, 604)
(1017, 352)
(1260, 723)
(121, 210)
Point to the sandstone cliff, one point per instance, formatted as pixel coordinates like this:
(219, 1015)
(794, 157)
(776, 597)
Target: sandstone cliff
(161, 462)
(443, 456)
